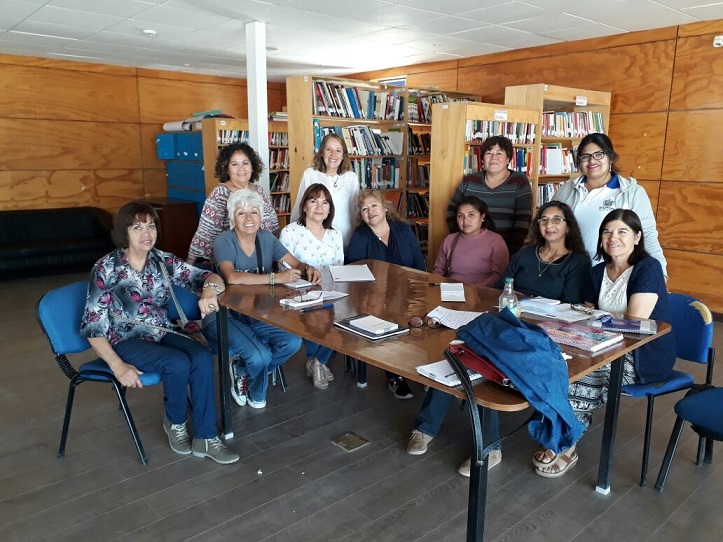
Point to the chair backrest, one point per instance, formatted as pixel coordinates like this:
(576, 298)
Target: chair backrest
(188, 301)
(60, 312)
(692, 325)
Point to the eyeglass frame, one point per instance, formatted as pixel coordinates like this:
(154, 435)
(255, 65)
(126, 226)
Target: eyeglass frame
(429, 321)
(300, 298)
(586, 157)
(556, 219)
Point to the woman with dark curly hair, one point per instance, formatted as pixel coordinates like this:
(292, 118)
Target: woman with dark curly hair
(238, 166)
(553, 263)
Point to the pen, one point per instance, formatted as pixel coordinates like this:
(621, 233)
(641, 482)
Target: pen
(286, 265)
(327, 306)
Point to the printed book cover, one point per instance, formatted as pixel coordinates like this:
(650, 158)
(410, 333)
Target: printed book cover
(580, 336)
(608, 323)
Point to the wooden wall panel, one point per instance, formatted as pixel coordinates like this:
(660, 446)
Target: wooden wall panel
(639, 139)
(163, 100)
(690, 218)
(698, 275)
(698, 74)
(155, 183)
(693, 146)
(69, 65)
(45, 144)
(652, 188)
(442, 79)
(148, 146)
(638, 75)
(43, 93)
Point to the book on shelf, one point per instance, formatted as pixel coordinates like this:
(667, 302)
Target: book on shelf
(442, 372)
(571, 124)
(519, 133)
(346, 324)
(622, 325)
(580, 336)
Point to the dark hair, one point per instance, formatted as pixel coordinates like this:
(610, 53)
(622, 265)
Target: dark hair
(378, 195)
(313, 192)
(318, 162)
(632, 221)
(573, 239)
(128, 215)
(487, 222)
(602, 141)
(503, 143)
(224, 157)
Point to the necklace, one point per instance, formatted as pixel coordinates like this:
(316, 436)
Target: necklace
(334, 180)
(540, 269)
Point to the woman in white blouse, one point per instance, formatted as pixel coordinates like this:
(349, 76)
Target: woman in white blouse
(312, 239)
(332, 168)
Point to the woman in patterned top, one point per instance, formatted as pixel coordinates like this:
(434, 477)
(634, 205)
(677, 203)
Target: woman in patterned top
(238, 166)
(313, 240)
(126, 322)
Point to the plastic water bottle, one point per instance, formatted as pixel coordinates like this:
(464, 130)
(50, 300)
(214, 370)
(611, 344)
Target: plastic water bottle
(509, 297)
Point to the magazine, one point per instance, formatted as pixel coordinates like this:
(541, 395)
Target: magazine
(608, 323)
(580, 336)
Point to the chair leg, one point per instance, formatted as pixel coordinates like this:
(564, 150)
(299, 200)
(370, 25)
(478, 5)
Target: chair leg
(709, 450)
(131, 424)
(646, 444)
(669, 453)
(701, 450)
(66, 419)
(279, 373)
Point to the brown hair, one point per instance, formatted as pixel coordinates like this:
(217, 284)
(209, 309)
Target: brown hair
(313, 192)
(379, 196)
(128, 215)
(318, 163)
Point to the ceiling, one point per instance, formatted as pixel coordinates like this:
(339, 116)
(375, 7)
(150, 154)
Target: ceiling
(317, 36)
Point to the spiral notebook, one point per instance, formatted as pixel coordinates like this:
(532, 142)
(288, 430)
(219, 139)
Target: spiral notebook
(580, 336)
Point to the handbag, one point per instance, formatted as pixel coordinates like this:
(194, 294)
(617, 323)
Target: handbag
(479, 364)
(189, 328)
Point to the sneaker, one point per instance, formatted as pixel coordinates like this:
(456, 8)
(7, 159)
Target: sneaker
(255, 404)
(239, 386)
(317, 374)
(215, 449)
(178, 437)
(400, 388)
(418, 443)
(493, 459)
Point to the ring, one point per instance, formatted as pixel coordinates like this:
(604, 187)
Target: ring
(211, 306)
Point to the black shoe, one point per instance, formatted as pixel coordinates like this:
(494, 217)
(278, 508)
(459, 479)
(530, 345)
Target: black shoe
(400, 388)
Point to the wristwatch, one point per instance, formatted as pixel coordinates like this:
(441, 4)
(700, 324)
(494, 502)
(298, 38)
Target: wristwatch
(214, 285)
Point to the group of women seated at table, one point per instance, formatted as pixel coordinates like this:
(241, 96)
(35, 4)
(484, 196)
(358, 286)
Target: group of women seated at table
(126, 315)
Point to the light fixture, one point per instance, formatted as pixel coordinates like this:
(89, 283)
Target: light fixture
(149, 33)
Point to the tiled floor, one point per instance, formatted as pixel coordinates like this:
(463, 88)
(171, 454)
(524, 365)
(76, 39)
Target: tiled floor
(292, 483)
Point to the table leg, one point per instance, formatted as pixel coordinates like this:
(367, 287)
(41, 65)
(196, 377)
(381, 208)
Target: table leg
(611, 423)
(224, 383)
(361, 374)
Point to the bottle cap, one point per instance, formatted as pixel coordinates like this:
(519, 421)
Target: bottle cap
(509, 280)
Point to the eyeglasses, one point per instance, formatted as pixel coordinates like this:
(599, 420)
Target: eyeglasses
(597, 155)
(554, 220)
(581, 308)
(418, 321)
(311, 295)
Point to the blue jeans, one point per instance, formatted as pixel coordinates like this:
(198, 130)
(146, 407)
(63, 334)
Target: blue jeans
(434, 408)
(261, 346)
(314, 350)
(182, 363)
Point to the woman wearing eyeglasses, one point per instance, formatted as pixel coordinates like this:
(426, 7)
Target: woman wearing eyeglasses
(600, 189)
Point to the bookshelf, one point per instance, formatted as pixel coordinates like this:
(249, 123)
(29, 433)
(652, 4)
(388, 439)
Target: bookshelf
(218, 132)
(453, 145)
(565, 116)
(387, 130)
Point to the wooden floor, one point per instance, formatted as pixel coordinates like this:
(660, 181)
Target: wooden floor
(292, 483)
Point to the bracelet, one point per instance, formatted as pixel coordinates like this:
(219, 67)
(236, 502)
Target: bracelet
(214, 285)
(271, 279)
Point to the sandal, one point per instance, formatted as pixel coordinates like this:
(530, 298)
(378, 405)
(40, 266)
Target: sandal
(544, 457)
(564, 463)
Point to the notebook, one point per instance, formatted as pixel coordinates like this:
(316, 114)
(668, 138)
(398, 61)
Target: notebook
(442, 372)
(344, 324)
(351, 273)
(580, 336)
(374, 325)
(621, 325)
(452, 291)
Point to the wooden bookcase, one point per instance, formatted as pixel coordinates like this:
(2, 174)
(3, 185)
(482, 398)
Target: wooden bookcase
(310, 112)
(218, 132)
(450, 150)
(549, 100)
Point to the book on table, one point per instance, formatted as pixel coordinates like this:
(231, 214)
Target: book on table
(622, 325)
(351, 273)
(349, 325)
(580, 336)
(442, 372)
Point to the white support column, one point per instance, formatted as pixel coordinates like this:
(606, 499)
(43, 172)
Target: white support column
(257, 94)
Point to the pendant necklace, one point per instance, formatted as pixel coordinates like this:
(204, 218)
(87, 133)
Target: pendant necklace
(540, 269)
(334, 180)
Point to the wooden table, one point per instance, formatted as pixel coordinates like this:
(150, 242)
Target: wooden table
(397, 294)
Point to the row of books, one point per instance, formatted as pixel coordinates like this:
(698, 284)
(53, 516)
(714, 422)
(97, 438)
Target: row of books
(574, 124)
(417, 205)
(521, 160)
(520, 133)
(419, 106)
(227, 137)
(361, 140)
(279, 182)
(421, 230)
(279, 139)
(418, 143)
(545, 191)
(337, 100)
(417, 175)
(377, 173)
(281, 203)
(279, 159)
(556, 160)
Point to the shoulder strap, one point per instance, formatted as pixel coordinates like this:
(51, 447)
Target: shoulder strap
(448, 270)
(181, 314)
(259, 260)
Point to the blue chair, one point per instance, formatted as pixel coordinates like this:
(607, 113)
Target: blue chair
(60, 312)
(692, 326)
(703, 408)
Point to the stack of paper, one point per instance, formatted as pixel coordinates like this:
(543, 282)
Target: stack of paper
(451, 318)
(452, 291)
(442, 372)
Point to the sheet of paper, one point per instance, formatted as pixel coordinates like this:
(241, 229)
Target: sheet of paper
(351, 273)
(452, 291)
(301, 283)
(451, 318)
